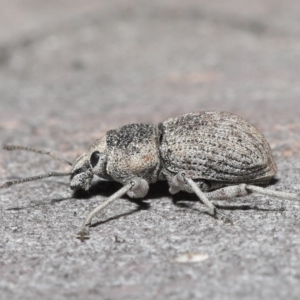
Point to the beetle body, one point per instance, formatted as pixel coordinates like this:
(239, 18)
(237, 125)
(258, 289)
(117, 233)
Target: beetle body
(216, 147)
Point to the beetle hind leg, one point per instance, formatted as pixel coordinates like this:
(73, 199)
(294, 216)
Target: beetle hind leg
(268, 192)
(231, 192)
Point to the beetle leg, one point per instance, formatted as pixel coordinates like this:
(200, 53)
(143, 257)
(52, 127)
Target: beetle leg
(136, 188)
(212, 210)
(230, 192)
(268, 192)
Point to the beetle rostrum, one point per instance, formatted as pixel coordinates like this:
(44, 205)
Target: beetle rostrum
(216, 155)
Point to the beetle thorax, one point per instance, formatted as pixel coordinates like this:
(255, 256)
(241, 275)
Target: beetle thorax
(133, 151)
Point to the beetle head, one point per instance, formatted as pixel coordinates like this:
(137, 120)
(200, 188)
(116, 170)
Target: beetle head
(98, 158)
(83, 169)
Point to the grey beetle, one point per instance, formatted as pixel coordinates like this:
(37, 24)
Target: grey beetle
(215, 155)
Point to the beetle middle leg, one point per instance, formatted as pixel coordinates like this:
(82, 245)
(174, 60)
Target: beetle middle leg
(180, 182)
(136, 188)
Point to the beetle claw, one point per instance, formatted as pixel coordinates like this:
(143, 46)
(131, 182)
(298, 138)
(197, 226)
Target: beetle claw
(223, 217)
(83, 234)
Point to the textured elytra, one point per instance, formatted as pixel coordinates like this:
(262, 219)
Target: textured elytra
(133, 151)
(216, 146)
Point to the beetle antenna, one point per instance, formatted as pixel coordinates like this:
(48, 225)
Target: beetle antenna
(53, 155)
(33, 178)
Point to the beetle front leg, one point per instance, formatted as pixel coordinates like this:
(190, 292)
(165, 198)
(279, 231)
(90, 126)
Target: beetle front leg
(136, 188)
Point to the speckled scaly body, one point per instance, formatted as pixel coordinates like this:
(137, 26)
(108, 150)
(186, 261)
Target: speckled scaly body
(216, 146)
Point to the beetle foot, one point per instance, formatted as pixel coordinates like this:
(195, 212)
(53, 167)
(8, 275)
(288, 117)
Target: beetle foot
(223, 217)
(83, 234)
(217, 214)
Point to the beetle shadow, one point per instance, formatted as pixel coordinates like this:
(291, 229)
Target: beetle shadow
(104, 189)
(38, 204)
(108, 188)
(128, 213)
(273, 181)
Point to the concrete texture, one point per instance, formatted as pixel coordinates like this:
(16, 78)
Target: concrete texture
(69, 71)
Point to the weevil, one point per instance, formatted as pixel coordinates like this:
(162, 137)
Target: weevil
(216, 155)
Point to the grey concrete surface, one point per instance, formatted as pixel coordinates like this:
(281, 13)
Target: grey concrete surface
(69, 71)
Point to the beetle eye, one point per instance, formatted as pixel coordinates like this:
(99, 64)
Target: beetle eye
(95, 158)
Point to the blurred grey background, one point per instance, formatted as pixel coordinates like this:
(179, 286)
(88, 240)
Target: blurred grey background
(70, 71)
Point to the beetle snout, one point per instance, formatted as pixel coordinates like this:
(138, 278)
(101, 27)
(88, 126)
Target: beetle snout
(80, 186)
(74, 186)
